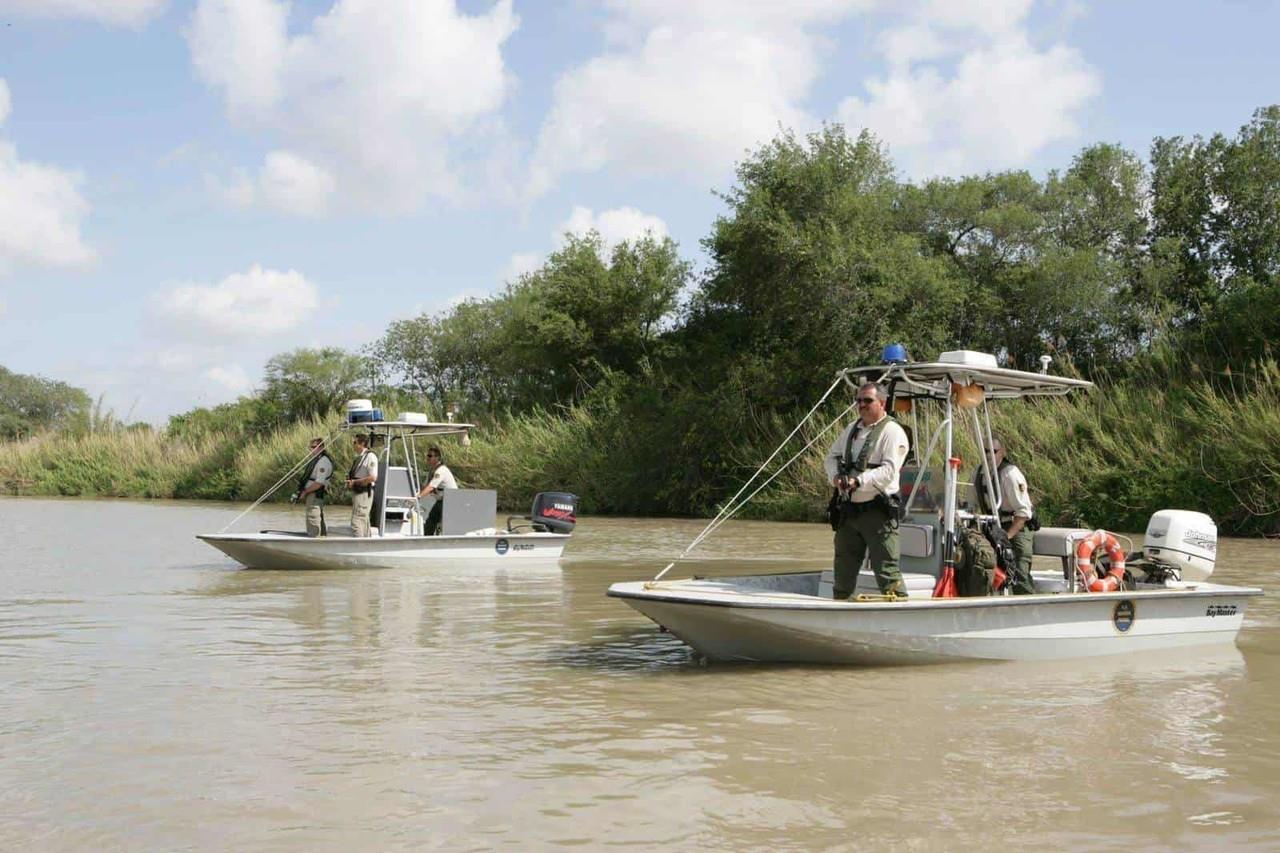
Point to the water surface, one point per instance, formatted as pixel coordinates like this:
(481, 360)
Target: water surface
(153, 695)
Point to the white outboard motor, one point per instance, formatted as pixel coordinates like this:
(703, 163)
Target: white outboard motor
(1184, 541)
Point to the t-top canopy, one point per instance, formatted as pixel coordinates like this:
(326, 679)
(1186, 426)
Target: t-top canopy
(409, 428)
(933, 380)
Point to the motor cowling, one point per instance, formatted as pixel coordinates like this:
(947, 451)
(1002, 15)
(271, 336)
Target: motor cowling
(555, 511)
(1184, 541)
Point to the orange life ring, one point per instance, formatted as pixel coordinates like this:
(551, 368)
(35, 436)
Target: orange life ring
(1084, 561)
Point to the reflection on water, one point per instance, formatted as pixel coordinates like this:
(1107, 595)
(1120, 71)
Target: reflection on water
(155, 696)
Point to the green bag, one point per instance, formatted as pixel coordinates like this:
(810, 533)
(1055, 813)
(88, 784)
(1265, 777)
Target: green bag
(975, 564)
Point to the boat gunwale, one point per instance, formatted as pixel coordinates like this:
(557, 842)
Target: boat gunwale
(1054, 598)
(289, 537)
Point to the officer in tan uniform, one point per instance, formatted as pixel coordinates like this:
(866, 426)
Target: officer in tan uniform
(360, 480)
(863, 465)
(1017, 514)
(439, 480)
(312, 487)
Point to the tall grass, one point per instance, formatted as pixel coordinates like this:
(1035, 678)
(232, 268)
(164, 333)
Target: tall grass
(1118, 454)
(1111, 457)
(146, 464)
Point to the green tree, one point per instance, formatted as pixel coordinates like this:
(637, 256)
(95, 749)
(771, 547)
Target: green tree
(547, 338)
(592, 313)
(1246, 217)
(811, 270)
(306, 383)
(29, 404)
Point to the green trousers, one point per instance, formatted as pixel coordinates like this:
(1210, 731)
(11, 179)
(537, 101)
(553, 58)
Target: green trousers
(862, 532)
(1022, 544)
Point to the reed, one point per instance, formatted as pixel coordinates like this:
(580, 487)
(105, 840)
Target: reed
(1111, 457)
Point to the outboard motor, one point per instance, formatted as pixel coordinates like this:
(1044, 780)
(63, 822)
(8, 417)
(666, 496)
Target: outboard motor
(1182, 541)
(556, 512)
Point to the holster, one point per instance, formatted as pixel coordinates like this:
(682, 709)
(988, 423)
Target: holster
(835, 510)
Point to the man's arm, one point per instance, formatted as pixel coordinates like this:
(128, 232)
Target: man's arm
(1019, 497)
(831, 462)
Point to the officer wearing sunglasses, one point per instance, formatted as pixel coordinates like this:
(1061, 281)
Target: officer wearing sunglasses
(863, 465)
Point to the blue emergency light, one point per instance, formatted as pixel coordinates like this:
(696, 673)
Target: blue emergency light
(894, 354)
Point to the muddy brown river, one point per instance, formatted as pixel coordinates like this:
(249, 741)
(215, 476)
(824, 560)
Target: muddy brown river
(155, 696)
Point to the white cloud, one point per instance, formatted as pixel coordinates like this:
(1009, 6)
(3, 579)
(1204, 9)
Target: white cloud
(377, 94)
(966, 89)
(686, 87)
(257, 302)
(171, 360)
(238, 191)
(129, 13)
(40, 210)
(614, 226)
(239, 46)
(521, 263)
(232, 377)
(295, 185)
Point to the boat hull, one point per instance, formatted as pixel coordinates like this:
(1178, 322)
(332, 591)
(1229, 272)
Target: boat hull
(280, 551)
(753, 625)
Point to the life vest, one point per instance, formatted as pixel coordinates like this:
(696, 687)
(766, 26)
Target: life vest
(351, 475)
(858, 465)
(980, 484)
(305, 479)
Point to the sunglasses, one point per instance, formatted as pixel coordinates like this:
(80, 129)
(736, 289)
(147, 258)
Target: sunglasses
(867, 401)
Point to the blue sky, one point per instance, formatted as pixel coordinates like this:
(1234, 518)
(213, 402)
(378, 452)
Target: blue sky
(188, 187)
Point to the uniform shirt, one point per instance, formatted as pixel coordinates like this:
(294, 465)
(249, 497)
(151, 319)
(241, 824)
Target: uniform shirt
(442, 478)
(322, 472)
(1014, 497)
(367, 466)
(889, 452)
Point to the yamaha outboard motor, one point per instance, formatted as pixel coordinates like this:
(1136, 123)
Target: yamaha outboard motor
(556, 512)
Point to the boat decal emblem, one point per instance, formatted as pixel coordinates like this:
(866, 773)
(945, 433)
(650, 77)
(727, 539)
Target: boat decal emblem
(501, 546)
(1123, 615)
(1201, 539)
(1220, 610)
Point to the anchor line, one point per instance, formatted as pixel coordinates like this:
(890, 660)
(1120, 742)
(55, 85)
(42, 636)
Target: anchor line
(730, 508)
(269, 492)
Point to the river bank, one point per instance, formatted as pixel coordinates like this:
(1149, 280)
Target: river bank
(1108, 458)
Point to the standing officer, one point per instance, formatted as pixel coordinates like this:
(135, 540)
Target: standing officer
(1017, 515)
(863, 465)
(312, 486)
(439, 480)
(360, 480)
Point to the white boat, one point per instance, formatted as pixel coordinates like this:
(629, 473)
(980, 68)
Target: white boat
(397, 540)
(1165, 602)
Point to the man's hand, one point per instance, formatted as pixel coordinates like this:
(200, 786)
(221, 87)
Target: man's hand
(844, 483)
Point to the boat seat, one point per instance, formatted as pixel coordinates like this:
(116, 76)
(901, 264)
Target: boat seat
(1057, 541)
(915, 540)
